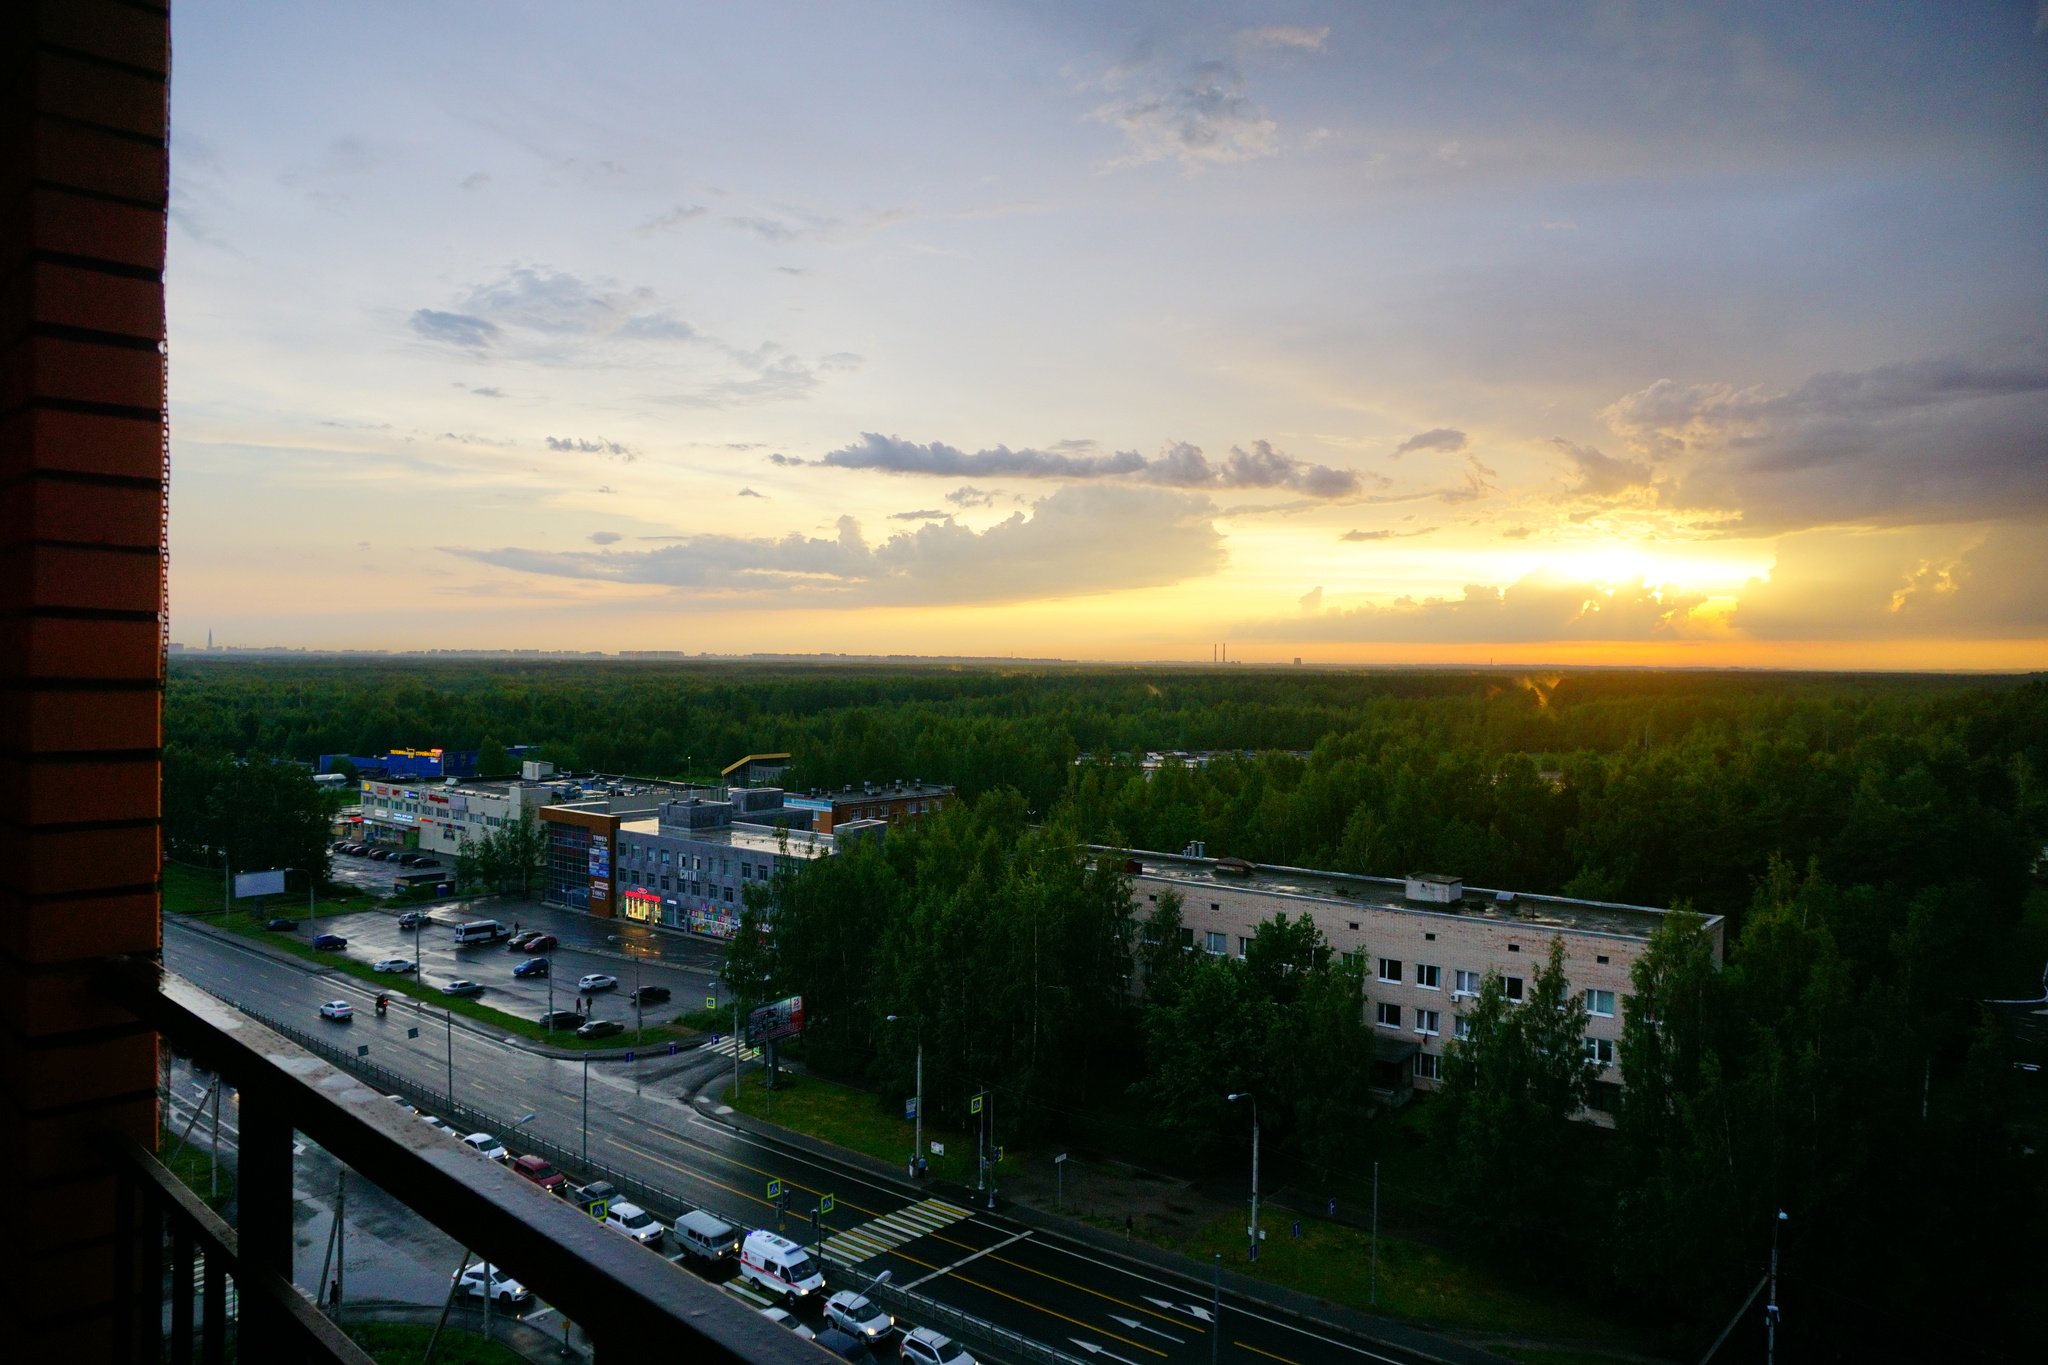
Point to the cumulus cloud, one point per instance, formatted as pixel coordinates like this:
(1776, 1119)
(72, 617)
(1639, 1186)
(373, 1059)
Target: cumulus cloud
(1179, 465)
(539, 310)
(1540, 606)
(1200, 116)
(605, 537)
(465, 330)
(750, 493)
(1937, 440)
(1312, 600)
(1927, 582)
(1601, 476)
(1285, 36)
(1447, 439)
(921, 514)
(967, 495)
(1077, 541)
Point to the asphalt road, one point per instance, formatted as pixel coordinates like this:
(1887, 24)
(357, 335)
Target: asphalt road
(374, 935)
(1066, 1294)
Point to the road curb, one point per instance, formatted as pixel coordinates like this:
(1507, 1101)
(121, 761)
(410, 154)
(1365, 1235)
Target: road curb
(1303, 1308)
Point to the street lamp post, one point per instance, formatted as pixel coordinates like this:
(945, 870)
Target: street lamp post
(1771, 1308)
(917, 1142)
(1253, 1231)
(639, 1009)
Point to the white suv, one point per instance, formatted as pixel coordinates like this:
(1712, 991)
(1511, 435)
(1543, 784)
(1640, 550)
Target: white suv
(506, 1290)
(923, 1346)
(636, 1222)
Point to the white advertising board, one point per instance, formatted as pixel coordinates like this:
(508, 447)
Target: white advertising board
(259, 884)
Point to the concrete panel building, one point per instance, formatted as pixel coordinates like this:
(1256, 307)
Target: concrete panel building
(1426, 942)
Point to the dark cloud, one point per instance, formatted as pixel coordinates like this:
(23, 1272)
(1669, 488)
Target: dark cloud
(1077, 541)
(456, 329)
(1538, 607)
(922, 514)
(1602, 476)
(1178, 466)
(967, 495)
(580, 446)
(605, 537)
(1201, 115)
(750, 493)
(1940, 440)
(1447, 439)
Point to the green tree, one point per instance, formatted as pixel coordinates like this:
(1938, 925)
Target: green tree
(509, 860)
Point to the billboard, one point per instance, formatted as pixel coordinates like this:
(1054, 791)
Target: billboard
(783, 1019)
(259, 884)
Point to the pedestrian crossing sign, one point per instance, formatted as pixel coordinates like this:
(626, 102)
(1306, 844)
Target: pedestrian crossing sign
(775, 1189)
(974, 1105)
(827, 1204)
(710, 1002)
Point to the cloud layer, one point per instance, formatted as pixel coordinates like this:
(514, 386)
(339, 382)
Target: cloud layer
(1538, 607)
(1076, 542)
(1180, 465)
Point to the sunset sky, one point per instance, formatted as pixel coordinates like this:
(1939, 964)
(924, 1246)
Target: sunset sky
(1356, 332)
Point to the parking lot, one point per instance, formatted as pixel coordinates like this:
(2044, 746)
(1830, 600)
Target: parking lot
(368, 875)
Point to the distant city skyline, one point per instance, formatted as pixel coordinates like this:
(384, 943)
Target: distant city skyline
(1693, 335)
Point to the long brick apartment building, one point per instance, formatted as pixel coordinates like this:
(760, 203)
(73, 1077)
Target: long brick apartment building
(1426, 942)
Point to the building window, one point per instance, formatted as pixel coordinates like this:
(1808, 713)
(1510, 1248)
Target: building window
(1218, 943)
(1601, 959)
(728, 895)
(1355, 961)
(1427, 1021)
(1461, 1027)
(1429, 1066)
(1187, 938)
(1514, 947)
(1243, 945)
(1389, 1015)
(1428, 976)
(1600, 1003)
(1429, 938)
(1600, 1050)
(1390, 969)
(1514, 984)
(1354, 924)
(1465, 983)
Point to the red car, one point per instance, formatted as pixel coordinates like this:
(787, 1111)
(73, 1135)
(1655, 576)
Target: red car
(541, 1172)
(538, 943)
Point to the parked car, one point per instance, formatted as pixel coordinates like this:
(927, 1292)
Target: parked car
(923, 1346)
(414, 919)
(397, 964)
(358, 850)
(439, 1125)
(560, 1020)
(338, 846)
(541, 943)
(782, 1268)
(378, 855)
(857, 1314)
(505, 1290)
(488, 1145)
(597, 1192)
(597, 981)
(460, 986)
(281, 926)
(533, 966)
(844, 1345)
(781, 1317)
(634, 1221)
(541, 1172)
(601, 1028)
(337, 1009)
(329, 941)
(403, 1103)
(651, 995)
(703, 1234)
(517, 943)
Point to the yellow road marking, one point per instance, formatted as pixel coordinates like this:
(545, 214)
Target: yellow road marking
(1087, 1326)
(1267, 1354)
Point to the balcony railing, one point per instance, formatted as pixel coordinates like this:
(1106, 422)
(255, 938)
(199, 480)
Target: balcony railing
(626, 1298)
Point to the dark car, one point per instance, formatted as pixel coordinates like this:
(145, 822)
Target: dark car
(601, 1028)
(561, 1019)
(533, 966)
(358, 850)
(539, 943)
(281, 926)
(651, 995)
(378, 855)
(409, 859)
(844, 1345)
(517, 943)
(329, 941)
(414, 919)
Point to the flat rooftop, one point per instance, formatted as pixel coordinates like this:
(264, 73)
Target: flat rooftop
(748, 838)
(1390, 893)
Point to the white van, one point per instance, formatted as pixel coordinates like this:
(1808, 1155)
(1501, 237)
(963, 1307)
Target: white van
(704, 1234)
(779, 1266)
(481, 931)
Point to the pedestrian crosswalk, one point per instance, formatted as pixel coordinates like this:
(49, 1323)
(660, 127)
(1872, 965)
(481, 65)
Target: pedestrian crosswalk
(886, 1233)
(724, 1046)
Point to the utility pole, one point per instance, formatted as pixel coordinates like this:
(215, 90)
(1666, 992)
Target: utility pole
(340, 1241)
(917, 1142)
(1216, 1310)
(451, 1059)
(1375, 1234)
(1252, 1232)
(735, 1050)
(1771, 1307)
(213, 1174)
(586, 1109)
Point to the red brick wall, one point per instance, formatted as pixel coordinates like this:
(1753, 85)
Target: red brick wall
(83, 181)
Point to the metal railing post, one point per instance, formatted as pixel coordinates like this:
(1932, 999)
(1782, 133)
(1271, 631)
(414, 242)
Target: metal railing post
(264, 1225)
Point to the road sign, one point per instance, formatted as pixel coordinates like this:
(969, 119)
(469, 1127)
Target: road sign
(674, 1048)
(600, 1209)
(362, 1049)
(775, 1189)
(827, 1204)
(974, 1105)
(412, 1033)
(629, 1054)
(710, 1002)
(999, 1154)
(938, 1149)
(910, 1107)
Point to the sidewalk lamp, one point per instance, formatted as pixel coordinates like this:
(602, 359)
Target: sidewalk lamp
(1252, 1232)
(639, 1009)
(917, 1141)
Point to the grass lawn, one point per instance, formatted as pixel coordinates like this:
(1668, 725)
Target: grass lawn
(399, 1343)
(197, 891)
(194, 1164)
(857, 1120)
(1441, 1289)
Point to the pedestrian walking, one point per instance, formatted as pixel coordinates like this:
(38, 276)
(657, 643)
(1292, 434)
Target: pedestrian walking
(1130, 1227)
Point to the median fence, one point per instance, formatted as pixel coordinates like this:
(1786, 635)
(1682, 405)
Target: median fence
(986, 1338)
